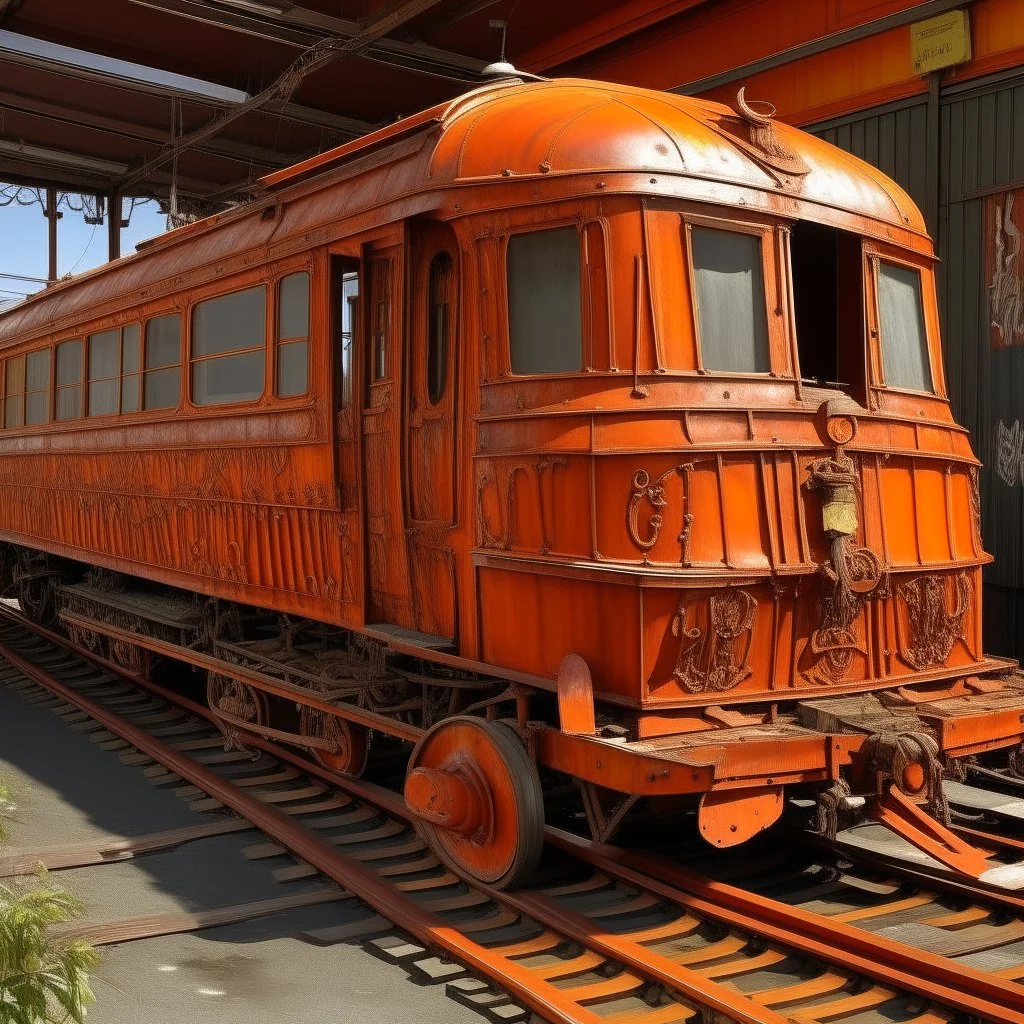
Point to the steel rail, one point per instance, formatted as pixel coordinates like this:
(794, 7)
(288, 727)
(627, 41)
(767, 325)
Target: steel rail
(907, 967)
(749, 909)
(537, 993)
(901, 966)
(429, 928)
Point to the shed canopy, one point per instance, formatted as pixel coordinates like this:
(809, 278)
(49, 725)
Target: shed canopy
(134, 96)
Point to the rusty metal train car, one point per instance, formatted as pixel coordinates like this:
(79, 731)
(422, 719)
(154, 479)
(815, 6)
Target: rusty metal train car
(564, 428)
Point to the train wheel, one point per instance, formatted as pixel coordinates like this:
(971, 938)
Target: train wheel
(478, 800)
(230, 697)
(351, 743)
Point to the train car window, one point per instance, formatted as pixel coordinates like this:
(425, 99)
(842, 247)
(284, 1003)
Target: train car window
(828, 301)
(901, 325)
(69, 380)
(731, 313)
(293, 335)
(439, 326)
(228, 346)
(131, 337)
(161, 385)
(349, 306)
(37, 387)
(545, 310)
(14, 392)
(104, 385)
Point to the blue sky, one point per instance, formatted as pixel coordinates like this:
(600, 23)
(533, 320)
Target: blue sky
(80, 246)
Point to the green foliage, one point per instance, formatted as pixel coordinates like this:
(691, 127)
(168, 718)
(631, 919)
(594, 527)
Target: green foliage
(43, 980)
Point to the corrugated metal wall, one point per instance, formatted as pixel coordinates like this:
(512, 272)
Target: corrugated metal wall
(981, 153)
(982, 138)
(893, 138)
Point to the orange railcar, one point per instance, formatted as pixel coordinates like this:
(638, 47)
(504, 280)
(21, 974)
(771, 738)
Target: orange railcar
(617, 413)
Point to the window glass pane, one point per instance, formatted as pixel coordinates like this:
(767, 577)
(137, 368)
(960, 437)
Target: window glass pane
(229, 322)
(163, 342)
(293, 312)
(14, 412)
(69, 362)
(544, 309)
(37, 373)
(901, 322)
(731, 313)
(37, 407)
(130, 349)
(14, 380)
(103, 354)
(69, 402)
(292, 372)
(228, 379)
(162, 388)
(130, 392)
(350, 299)
(441, 281)
(103, 397)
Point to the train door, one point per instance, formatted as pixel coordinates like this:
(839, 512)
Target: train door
(432, 396)
(344, 325)
(388, 599)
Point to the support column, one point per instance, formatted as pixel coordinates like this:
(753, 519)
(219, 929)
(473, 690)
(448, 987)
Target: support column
(52, 216)
(113, 225)
(933, 156)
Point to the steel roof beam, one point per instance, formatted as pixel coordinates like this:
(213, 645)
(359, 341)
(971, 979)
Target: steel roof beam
(79, 173)
(65, 114)
(300, 28)
(323, 119)
(350, 127)
(313, 59)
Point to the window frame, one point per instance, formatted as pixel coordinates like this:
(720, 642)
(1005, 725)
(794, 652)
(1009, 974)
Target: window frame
(276, 342)
(447, 342)
(874, 256)
(269, 286)
(48, 390)
(139, 374)
(83, 380)
(120, 376)
(778, 334)
(586, 346)
(23, 356)
(90, 380)
(144, 322)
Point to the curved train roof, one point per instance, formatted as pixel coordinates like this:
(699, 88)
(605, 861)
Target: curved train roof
(508, 131)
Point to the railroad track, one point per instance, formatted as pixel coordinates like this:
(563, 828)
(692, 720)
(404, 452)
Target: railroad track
(606, 936)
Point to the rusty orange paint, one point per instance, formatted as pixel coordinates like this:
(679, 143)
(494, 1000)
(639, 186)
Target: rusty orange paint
(725, 553)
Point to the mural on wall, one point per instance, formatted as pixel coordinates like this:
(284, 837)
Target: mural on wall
(1004, 267)
(1008, 453)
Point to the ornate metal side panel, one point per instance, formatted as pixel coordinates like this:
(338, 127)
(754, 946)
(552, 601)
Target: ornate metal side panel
(240, 506)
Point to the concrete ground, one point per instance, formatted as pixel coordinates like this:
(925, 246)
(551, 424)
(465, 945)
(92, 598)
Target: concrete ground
(67, 790)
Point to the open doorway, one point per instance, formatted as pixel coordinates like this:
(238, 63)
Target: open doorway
(828, 295)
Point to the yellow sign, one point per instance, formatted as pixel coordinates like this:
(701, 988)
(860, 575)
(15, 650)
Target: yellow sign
(940, 42)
